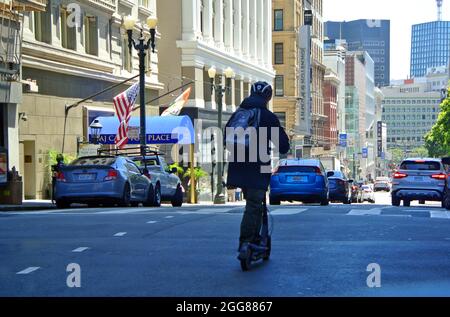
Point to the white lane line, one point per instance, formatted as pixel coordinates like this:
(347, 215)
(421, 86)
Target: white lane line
(370, 212)
(120, 234)
(287, 212)
(208, 211)
(152, 222)
(169, 217)
(440, 214)
(119, 212)
(80, 249)
(29, 270)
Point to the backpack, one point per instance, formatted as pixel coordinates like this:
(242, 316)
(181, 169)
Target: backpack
(243, 119)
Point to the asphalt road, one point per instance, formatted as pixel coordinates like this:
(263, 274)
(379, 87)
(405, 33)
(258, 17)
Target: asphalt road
(191, 251)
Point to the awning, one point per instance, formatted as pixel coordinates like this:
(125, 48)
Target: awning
(159, 130)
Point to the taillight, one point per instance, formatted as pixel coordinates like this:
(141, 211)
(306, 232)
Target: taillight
(399, 175)
(318, 170)
(112, 175)
(439, 176)
(60, 177)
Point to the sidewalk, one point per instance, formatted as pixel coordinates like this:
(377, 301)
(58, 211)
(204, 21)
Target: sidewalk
(29, 205)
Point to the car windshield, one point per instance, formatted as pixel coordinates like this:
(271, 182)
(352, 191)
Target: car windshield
(152, 164)
(297, 169)
(366, 187)
(84, 161)
(420, 166)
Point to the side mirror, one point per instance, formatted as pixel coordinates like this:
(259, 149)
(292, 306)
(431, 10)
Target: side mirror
(330, 174)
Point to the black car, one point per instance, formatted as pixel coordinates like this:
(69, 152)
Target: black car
(446, 202)
(340, 187)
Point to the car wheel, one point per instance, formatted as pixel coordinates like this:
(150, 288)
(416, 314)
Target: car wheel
(157, 199)
(177, 200)
(135, 204)
(274, 202)
(422, 202)
(126, 197)
(150, 197)
(62, 204)
(395, 201)
(325, 202)
(406, 203)
(447, 202)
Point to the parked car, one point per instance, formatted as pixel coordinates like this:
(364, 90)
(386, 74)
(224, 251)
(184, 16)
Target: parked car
(419, 179)
(367, 194)
(299, 180)
(102, 180)
(167, 185)
(340, 187)
(382, 186)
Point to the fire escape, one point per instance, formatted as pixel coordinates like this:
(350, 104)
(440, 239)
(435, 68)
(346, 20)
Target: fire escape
(11, 32)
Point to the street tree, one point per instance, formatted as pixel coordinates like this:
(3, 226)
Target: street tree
(437, 141)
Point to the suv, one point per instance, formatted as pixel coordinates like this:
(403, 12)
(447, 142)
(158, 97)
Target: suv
(446, 202)
(419, 179)
(299, 180)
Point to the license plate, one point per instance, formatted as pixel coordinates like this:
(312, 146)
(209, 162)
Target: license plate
(86, 177)
(418, 178)
(300, 179)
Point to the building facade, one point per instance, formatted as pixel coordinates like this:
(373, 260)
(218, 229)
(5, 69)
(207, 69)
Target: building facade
(11, 78)
(201, 34)
(72, 50)
(331, 97)
(430, 44)
(298, 97)
(410, 110)
(372, 36)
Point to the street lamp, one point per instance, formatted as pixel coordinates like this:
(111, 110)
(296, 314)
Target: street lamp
(96, 128)
(141, 46)
(219, 199)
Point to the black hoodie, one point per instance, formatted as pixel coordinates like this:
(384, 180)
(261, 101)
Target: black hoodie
(256, 175)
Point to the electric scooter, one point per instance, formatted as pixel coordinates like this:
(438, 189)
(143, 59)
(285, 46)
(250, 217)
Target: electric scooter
(259, 250)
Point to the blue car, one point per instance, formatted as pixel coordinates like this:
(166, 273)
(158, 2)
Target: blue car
(340, 187)
(299, 180)
(105, 180)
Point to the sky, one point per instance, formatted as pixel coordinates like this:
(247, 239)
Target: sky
(402, 13)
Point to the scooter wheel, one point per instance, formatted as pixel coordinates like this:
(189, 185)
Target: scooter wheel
(247, 262)
(269, 249)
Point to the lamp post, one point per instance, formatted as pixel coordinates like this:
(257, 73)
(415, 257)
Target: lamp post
(96, 128)
(219, 199)
(141, 46)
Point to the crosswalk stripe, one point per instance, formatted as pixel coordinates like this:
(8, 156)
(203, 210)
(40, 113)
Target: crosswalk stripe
(440, 214)
(120, 234)
(287, 212)
(370, 212)
(28, 270)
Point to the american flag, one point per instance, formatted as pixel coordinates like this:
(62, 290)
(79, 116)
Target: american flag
(123, 104)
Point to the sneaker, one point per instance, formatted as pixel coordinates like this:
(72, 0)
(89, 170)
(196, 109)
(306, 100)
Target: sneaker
(243, 251)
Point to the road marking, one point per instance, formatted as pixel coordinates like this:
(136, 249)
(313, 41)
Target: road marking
(286, 212)
(440, 214)
(119, 212)
(370, 212)
(169, 217)
(120, 234)
(81, 249)
(28, 270)
(152, 222)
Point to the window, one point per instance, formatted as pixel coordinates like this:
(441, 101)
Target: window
(279, 85)
(278, 20)
(278, 53)
(43, 25)
(68, 31)
(126, 57)
(91, 35)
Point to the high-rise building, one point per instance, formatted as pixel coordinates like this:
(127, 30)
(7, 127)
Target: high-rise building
(331, 97)
(430, 44)
(372, 36)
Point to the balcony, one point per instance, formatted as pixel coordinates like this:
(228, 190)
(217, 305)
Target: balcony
(24, 5)
(105, 5)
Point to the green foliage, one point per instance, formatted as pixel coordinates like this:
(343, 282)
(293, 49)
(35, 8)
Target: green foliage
(419, 152)
(180, 170)
(198, 173)
(437, 141)
(397, 156)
